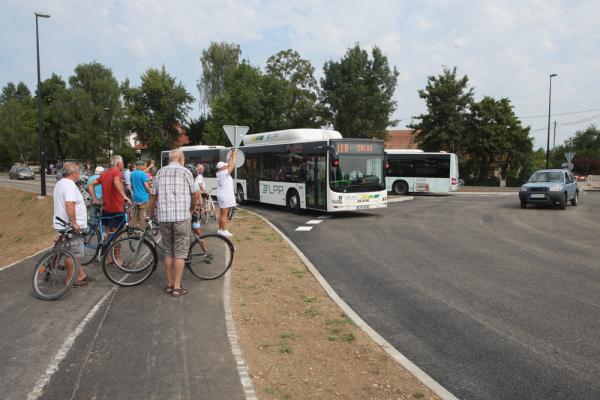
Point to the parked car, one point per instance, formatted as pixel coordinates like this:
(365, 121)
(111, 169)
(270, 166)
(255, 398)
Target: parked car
(550, 186)
(21, 172)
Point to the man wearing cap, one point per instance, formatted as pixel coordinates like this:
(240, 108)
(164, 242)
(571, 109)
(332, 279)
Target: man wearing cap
(140, 189)
(225, 193)
(95, 209)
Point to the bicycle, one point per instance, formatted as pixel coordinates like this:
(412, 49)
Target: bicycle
(209, 256)
(207, 209)
(93, 245)
(56, 270)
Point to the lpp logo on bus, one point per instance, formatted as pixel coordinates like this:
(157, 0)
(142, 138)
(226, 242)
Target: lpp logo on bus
(274, 189)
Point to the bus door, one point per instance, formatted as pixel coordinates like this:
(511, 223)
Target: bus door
(316, 181)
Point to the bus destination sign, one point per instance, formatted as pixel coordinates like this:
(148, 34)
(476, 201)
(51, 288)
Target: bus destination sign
(357, 148)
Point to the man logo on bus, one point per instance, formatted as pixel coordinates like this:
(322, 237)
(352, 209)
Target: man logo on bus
(275, 189)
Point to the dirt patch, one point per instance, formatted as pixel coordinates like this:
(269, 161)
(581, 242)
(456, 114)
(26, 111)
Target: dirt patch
(294, 338)
(25, 224)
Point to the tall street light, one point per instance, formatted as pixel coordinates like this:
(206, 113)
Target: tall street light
(549, 108)
(39, 96)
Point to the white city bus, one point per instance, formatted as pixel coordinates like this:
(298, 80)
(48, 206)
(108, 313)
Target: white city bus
(416, 171)
(303, 169)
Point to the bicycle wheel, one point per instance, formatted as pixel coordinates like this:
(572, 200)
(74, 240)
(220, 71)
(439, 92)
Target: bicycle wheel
(134, 259)
(204, 212)
(211, 208)
(91, 246)
(210, 256)
(51, 277)
(231, 213)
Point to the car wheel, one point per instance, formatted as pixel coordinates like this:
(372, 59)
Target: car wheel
(562, 204)
(400, 187)
(239, 196)
(523, 204)
(575, 199)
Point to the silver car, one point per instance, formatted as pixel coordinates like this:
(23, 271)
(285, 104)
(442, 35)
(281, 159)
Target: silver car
(550, 186)
(21, 172)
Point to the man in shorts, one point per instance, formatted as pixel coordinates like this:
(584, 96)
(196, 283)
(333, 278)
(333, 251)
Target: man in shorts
(174, 196)
(70, 207)
(140, 189)
(114, 198)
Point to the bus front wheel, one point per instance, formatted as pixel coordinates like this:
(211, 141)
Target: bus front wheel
(239, 196)
(293, 201)
(400, 187)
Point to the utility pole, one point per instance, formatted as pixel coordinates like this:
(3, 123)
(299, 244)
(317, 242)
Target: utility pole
(554, 140)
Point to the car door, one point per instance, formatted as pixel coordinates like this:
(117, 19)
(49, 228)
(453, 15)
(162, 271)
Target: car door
(569, 185)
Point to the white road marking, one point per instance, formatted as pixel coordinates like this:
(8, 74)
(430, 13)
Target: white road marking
(314, 221)
(62, 353)
(243, 373)
(304, 228)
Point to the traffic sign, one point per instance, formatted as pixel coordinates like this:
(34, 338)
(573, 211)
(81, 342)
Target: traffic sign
(235, 134)
(569, 156)
(239, 160)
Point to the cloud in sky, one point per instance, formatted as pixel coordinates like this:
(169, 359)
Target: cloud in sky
(507, 48)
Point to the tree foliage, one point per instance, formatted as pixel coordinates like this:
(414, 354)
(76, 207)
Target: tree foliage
(156, 109)
(216, 61)
(358, 92)
(493, 138)
(250, 98)
(18, 125)
(287, 66)
(487, 135)
(448, 99)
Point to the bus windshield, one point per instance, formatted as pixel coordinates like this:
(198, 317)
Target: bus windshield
(357, 172)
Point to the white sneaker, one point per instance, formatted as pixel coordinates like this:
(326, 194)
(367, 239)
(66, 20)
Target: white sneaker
(226, 233)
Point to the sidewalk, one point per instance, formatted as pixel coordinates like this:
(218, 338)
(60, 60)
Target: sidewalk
(140, 343)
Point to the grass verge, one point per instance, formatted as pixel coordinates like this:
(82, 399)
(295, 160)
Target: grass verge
(25, 226)
(295, 340)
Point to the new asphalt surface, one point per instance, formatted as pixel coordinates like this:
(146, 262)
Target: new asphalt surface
(492, 301)
(140, 344)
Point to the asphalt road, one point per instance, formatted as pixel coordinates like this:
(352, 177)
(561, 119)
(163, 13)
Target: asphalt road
(31, 185)
(492, 301)
(140, 344)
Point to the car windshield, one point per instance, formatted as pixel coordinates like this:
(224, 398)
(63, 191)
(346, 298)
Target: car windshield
(24, 169)
(546, 177)
(358, 171)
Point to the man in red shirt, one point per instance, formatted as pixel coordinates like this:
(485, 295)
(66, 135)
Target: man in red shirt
(114, 197)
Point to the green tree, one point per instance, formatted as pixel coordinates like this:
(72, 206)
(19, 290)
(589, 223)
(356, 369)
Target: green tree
(96, 108)
(216, 60)
(358, 93)
(18, 124)
(155, 109)
(495, 138)
(585, 143)
(58, 118)
(448, 100)
(288, 66)
(196, 128)
(250, 98)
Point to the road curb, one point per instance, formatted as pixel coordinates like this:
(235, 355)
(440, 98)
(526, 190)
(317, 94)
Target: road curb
(23, 259)
(241, 367)
(418, 373)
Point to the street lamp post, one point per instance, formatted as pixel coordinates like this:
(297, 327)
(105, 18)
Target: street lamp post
(39, 96)
(549, 108)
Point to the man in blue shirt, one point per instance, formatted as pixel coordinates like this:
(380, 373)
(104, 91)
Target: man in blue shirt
(95, 209)
(140, 189)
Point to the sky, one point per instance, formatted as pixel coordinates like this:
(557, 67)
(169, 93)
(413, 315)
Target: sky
(506, 48)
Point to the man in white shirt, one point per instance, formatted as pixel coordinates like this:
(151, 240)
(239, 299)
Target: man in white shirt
(70, 207)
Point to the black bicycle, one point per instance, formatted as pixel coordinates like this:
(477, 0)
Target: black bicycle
(210, 255)
(56, 270)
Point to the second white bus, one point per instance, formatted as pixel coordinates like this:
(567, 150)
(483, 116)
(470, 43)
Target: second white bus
(416, 171)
